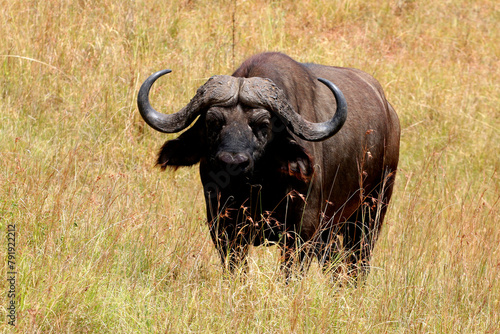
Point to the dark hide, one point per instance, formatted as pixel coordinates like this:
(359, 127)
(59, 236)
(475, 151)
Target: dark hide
(263, 185)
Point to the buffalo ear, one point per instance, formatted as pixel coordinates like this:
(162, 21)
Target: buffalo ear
(186, 150)
(295, 161)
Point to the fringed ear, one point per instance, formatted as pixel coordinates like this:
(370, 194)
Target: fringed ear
(294, 161)
(186, 150)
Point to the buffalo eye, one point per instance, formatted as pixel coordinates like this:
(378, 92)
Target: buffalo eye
(261, 124)
(262, 127)
(214, 120)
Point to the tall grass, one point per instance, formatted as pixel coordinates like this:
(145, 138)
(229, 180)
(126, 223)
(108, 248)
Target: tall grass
(107, 243)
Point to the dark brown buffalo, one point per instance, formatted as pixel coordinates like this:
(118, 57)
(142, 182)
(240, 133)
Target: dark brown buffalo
(286, 157)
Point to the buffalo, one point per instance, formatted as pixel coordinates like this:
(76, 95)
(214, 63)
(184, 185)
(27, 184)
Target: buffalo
(299, 155)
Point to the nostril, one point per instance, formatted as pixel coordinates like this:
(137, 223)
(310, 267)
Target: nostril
(239, 160)
(225, 157)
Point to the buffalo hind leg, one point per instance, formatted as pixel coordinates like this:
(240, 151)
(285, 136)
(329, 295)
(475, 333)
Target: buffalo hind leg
(346, 248)
(357, 248)
(332, 254)
(362, 232)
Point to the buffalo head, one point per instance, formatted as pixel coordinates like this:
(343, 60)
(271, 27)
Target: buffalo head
(238, 119)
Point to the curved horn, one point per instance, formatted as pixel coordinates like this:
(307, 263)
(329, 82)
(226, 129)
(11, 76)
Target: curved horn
(333, 126)
(263, 92)
(218, 90)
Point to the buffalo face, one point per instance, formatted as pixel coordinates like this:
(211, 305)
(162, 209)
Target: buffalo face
(237, 137)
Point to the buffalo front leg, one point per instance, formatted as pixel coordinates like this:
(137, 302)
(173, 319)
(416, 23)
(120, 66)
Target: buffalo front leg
(232, 247)
(228, 239)
(294, 256)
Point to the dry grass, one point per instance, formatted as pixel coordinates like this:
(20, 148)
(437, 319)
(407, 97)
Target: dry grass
(107, 243)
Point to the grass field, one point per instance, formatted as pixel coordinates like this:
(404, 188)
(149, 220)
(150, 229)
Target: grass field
(105, 242)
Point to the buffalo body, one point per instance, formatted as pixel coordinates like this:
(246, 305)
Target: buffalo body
(287, 159)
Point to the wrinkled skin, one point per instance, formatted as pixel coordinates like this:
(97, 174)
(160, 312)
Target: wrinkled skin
(264, 185)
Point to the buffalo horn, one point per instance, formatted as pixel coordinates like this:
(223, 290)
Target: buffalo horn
(264, 93)
(218, 90)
